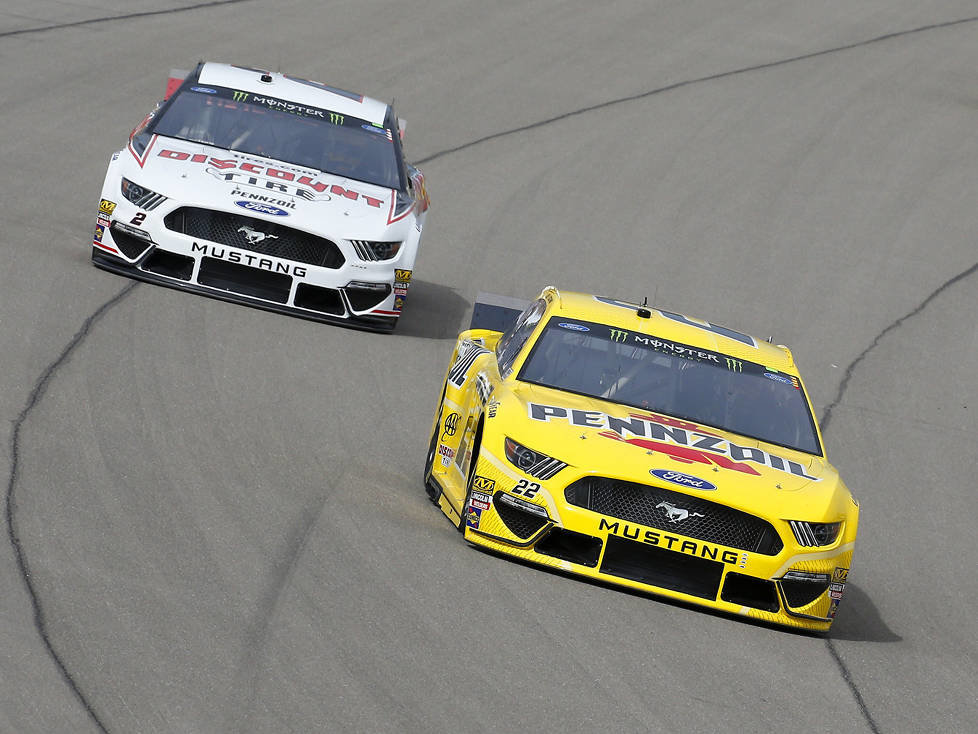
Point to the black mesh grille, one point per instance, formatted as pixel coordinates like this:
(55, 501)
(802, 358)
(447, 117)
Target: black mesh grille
(131, 247)
(653, 507)
(801, 593)
(520, 523)
(255, 235)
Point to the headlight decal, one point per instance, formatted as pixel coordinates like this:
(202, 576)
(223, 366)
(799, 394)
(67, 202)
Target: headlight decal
(815, 534)
(532, 462)
(141, 196)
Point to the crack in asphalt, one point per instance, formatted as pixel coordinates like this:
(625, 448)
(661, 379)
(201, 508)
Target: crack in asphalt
(844, 384)
(48, 373)
(688, 83)
(110, 18)
(827, 418)
(32, 400)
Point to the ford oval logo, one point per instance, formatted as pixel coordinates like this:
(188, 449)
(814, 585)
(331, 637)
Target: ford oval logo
(684, 480)
(205, 90)
(257, 206)
(573, 327)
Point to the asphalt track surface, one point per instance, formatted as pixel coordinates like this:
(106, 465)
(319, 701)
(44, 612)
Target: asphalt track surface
(214, 515)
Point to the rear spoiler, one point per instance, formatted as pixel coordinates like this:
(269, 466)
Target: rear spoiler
(177, 77)
(496, 313)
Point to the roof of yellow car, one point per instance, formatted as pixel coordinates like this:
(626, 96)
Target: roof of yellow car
(672, 325)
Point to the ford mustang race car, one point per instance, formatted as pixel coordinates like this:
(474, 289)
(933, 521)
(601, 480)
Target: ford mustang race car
(640, 447)
(269, 190)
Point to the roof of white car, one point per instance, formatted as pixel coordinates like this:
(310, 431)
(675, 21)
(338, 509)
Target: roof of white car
(294, 89)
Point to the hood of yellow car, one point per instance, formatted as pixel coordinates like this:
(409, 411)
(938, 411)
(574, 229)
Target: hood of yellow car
(653, 448)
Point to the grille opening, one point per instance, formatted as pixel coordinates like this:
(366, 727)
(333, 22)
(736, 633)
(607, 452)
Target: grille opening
(169, 264)
(749, 591)
(645, 505)
(324, 300)
(802, 593)
(364, 299)
(242, 279)
(255, 235)
(570, 546)
(520, 523)
(658, 567)
(131, 247)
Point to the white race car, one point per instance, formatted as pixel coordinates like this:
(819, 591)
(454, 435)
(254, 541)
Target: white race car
(270, 190)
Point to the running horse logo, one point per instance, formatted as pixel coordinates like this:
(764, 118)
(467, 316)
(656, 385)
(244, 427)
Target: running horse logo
(254, 236)
(677, 514)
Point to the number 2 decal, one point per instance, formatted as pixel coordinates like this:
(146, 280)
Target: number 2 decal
(527, 489)
(138, 219)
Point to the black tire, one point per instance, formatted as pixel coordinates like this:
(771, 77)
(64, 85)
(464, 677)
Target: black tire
(476, 443)
(430, 486)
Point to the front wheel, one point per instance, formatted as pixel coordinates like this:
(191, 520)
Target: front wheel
(430, 486)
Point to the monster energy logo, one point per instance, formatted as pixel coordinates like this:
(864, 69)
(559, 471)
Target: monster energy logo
(617, 335)
(240, 96)
(734, 365)
(335, 118)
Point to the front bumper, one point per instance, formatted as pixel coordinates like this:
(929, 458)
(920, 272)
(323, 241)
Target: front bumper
(789, 585)
(342, 290)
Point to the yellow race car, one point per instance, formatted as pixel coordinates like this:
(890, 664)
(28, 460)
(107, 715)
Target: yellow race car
(644, 448)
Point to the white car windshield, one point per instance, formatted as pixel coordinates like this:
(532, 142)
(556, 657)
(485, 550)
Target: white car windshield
(656, 374)
(285, 131)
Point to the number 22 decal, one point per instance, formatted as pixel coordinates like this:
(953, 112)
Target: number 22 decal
(527, 489)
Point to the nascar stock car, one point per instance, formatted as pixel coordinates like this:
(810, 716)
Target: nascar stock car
(640, 447)
(269, 190)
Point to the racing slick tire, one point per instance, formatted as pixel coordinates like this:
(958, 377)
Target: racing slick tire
(430, 487)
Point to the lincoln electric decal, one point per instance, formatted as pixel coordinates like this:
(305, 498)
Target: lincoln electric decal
(682, 440)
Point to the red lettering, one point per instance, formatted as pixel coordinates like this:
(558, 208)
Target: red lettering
(683, 453)
(276, 173)
(218, 163)
(372, 201)
(199, 158)
(340, 191)
(250, 168)
(175, 155)
(317, 185)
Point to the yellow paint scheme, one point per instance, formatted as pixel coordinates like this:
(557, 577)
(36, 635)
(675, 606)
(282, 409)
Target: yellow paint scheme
(813, 492)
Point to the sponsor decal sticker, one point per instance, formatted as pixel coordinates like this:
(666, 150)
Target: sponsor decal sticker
(402, 275)
(447, 454)
(484, 483)
(99, 231)
(480, 500)
(786, 379)
(573, 327)
(472, 516)
(203, 90)
(468, 352)
(106, 207)
(259, 207)
(451, 424)
(840, 574)
(668, 542)
(679, 439)
(684, 480)
(398, 303)
(399, 291)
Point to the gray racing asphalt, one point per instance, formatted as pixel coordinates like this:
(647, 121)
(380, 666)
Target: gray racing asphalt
(215, 521)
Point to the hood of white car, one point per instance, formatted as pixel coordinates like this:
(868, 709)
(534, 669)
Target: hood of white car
(199, 175)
